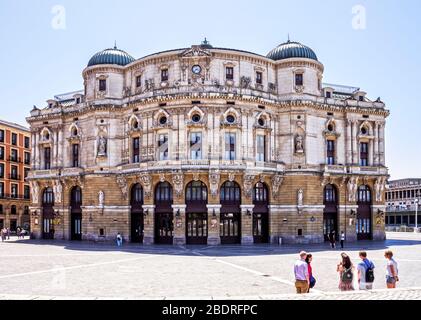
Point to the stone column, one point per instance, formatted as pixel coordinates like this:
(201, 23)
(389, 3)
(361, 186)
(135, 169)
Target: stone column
(36, 222)
(179, 224)
(149, 224)
(382, 144)
(371, 152)
(376, 145)
(33, 151)
(214, 214)
(354, 143)
(275, 220)
(62, 231)
(349, 142)
(60, 142)
(247, 224)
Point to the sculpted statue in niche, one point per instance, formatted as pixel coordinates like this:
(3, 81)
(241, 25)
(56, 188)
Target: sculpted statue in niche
(300, 197)
(299, 144)
(101, 198)
(102, 146)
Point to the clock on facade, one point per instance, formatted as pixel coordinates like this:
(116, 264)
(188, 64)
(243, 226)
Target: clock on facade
(196, 69)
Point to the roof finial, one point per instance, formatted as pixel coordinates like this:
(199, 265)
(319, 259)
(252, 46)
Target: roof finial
(205, 42)
(288, 38)
(115, 44)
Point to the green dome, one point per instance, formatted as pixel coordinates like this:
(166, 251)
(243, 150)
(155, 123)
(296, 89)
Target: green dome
(291, 49)
(111, 56)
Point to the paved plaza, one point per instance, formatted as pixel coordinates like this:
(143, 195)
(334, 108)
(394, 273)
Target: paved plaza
(64, 270)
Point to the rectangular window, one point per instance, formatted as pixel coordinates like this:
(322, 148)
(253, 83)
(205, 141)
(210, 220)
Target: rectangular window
(136, 150)
(299, 79)
(259, 77)
(27, 193)
(196, 145)
(1, 153)
(164, 75)
(14, 191)
(330, 152)
(1, 135)
(27, 143)
(1, 171)
(14, 155)
(47, 158)
(163, 147)
(25, 172)
(1, 190)
(260, 148)
(229, 73)
(75, 155)
(138, 81)
(328, 94)
(14, 173)
(102, 85)
(364, 154)
(14, 139)
(230, 146)
(27, 158)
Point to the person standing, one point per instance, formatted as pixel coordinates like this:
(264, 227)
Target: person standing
(365, 272)
(346, 273)
(392, 270)
(332, 238)
(342, 239)
(3, 234)
(119, 240)
(302, 277)
(312, 283)
(8, 233)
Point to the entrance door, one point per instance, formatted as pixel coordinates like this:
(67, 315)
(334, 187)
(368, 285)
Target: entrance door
(137, 227)
(13, 225)
(261, 227)
(48, 225)
(330, 213)
(197, 228)
(76, 232)
(1, 224)
(329, 224)
(230, 228)
(164, 228)
(364, 221)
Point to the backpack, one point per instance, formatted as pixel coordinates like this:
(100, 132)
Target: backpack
(347, 275)
(369, 272)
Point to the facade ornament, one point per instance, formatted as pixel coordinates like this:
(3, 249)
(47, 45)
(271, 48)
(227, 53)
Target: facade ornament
(300, 198)
(146, 181)
(102, 146)
(299, 144)
(35, 191)
(276, 184)
(101, 198)
(196, 176)
(122, 183)
(379, 187)
(58, 191)
(248, 185)
(231, 177)
(245, 82)
(214, 179)
(162, 177)
(178, 181)
(352, 189)
(326, 180)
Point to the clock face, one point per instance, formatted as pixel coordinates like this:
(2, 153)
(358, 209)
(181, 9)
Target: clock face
(197, 69)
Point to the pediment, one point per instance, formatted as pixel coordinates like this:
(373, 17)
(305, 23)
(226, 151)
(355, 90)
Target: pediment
(195, 51)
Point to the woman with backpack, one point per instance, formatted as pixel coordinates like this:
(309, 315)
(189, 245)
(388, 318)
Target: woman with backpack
(346, 273)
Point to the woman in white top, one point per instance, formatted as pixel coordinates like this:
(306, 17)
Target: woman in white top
(392, 270)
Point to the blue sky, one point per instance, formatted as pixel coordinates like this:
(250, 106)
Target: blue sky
(38, 61)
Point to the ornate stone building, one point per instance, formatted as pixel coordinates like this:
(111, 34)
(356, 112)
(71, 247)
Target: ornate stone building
(208, 145)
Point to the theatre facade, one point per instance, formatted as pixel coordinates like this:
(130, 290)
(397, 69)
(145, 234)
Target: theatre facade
(207, 145)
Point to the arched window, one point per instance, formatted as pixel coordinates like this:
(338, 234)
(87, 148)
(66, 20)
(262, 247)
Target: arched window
(76, 196)
(330, 194)
(230, 192)
(137, 194)
(48, 196)
(364, 194)
(13, 210)
(163, 192)
(197, 191)
(260, 193)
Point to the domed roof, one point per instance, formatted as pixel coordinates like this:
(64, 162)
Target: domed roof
(292, 49)
(111, 56)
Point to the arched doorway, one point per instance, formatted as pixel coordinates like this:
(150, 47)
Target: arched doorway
(230, 213)
(330, 213)
(76, 214)
(261, 213)
(196, 213)
(137, 218)
(364, 221)
(164, 216)
(48, 214)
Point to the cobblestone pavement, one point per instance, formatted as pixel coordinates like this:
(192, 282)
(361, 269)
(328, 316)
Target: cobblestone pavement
(64, 270)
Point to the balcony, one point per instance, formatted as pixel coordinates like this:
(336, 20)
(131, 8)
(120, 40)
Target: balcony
(341, 169)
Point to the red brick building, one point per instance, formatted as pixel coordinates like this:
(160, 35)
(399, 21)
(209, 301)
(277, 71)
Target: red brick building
(15, 162)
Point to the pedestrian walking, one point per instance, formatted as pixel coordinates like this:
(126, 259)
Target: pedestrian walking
(18, 232)
(346, 273)
(302, 278)
(119, 240)
(332, 238)
(365, 272)
(392, 270)
(3, 234)
(309, 260)
(8, 233)
(342, 239)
